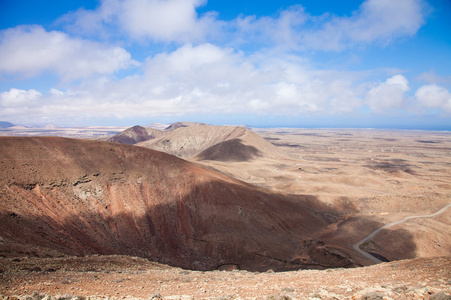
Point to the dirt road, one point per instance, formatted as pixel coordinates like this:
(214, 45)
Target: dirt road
(357, 245)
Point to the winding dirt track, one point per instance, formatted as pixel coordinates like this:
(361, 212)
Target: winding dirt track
(357, 245)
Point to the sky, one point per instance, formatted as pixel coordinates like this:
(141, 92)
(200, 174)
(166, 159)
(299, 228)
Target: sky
(286, 63)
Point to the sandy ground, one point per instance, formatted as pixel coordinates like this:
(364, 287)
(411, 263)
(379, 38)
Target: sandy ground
(376, 177)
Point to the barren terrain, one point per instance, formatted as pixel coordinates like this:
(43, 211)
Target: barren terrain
(120, 277)
(93, 132)
(80, 197)
(302, 199)
(378, 177)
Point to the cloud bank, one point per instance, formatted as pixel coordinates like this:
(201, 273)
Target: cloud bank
(207, 79)
(178, 21)
(249, 65)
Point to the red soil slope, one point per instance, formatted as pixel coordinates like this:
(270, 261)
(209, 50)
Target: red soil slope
(79, 197)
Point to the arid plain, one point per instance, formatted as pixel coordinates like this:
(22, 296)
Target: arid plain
(377, 176)
(354, 182)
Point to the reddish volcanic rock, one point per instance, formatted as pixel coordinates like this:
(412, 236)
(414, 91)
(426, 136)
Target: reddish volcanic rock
(79, 197)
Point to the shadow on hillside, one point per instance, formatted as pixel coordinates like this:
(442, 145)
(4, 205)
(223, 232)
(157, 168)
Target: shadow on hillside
(392, 245)
(231, 150)
(215, 224)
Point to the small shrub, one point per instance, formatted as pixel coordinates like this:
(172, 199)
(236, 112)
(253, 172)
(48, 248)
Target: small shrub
(373, 296)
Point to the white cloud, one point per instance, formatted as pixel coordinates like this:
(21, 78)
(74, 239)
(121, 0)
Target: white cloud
(189, 58)
(388, 95)
(18, 98)
(375, 21)
(212, 79)
(207, 79)
(21, 105)
(316, 95)
(434, 96)
(178, 21)
(31, 50)
(385, 19)
(160, 20)
(283, 30)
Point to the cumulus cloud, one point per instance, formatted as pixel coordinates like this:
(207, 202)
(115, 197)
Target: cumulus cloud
(281, 30)
(178, 21)
(160, 20)
(207, 79)
(200, 76)
(387, 95)
(385, 19)
(18, 98)
(31, 50)
(375, 21)
(165, 20)
(213, 79)
(434, 96)
(20, 104)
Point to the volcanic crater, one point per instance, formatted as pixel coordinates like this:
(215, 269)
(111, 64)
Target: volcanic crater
(79, 197)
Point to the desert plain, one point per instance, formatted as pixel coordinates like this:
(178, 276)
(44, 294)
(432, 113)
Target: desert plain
(303, 201)
(381, 176)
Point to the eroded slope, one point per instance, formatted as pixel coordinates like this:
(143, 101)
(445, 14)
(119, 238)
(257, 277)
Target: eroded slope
(79, 197)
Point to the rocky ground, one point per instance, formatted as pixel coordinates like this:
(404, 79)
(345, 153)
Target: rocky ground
(122, 277)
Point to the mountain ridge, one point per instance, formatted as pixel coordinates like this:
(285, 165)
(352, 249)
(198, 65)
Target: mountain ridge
(4, 124)
(136, 134)
(190, 141)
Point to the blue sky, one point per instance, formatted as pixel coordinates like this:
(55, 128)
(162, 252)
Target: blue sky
(374, 63)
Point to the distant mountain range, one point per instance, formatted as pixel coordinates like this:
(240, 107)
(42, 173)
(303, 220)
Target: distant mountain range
(4, 124)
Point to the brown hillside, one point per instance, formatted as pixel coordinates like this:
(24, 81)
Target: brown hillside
(186, 142)
(245, 147)
(135, 135)
(79, 197)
